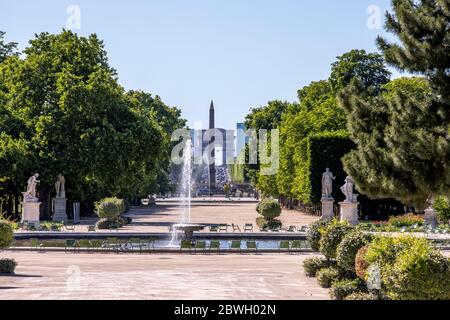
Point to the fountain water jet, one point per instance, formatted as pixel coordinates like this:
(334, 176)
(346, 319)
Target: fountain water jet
(185, 224)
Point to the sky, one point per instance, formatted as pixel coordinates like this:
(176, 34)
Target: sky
(239, 53)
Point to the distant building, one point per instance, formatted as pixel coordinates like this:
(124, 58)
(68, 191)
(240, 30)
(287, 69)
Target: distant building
(224, 150)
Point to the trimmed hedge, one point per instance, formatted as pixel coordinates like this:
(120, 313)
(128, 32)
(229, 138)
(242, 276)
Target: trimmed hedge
(108, 208)
(411, 269)
(314, 264)
(263, 223)
(327, 276)
(420, 273)
(324, 150)
(313, 234)
(6, 234)
(343, 288)
(348, 248)
(269, 209)
(7, 266)
(331, 236)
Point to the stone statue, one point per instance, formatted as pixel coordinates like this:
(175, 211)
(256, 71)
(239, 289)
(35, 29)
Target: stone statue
(60, 186)
(31, 187)
(327, 183)
(347, 190)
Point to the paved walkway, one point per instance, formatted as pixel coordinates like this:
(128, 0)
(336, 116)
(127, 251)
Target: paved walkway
(157, 276)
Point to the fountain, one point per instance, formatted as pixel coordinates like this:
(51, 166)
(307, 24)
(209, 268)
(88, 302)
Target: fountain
(185, 224)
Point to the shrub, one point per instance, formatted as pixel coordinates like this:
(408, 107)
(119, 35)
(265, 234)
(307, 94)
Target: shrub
(263, 223)
(6, 234)
(406, 220)
(361, 264)
(419, 273)
(313, 234)
(7, 266)
(410, 268)
(384, 250)
(349, 246)
(343, 288)
(331, 236)
(314, 264)
(362, 296)
(269, 209)
(442, 207)
(102, 224)
(108, 208)
(327, 276)
(121, 220)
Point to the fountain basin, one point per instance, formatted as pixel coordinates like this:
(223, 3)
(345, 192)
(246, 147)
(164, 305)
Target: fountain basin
(188, 229)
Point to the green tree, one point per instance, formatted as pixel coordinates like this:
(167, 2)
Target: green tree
(367, 68)
(64, 112)
(264, 118)
(7, 49)
(403, 135)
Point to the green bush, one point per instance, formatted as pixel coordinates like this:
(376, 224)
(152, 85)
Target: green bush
(263, 223)
(269, 209)
(7, 266)
(419, 273)
(346, 251)
(6, 234)
(362, 296)
(103, 224)
(313, 234)
(384, 250)
(406, 220)
(331, 236)
(327, 276)
(442, 207)
(108, 208)
(410, 268)
(314, 264)
(121, 220)
(343, 288)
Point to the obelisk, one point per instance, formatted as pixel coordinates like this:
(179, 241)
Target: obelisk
(212, 166)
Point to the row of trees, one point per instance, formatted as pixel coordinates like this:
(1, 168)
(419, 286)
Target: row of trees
(62, 110)
(401, 127)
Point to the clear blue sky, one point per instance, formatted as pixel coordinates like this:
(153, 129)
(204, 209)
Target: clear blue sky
(241, 53)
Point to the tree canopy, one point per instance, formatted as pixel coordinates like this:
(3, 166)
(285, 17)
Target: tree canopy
(403, 134)
(62, 110)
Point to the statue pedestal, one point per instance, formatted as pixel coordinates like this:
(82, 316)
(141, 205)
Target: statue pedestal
(349, 212)
(327, 208)
(59, 209)
(430, 217)
(30, 212)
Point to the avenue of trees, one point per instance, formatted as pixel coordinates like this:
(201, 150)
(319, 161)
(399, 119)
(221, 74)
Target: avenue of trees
(62, 110)
(401, 127)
